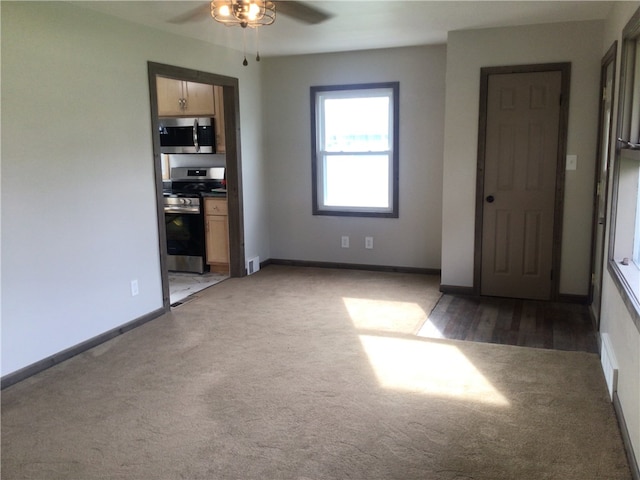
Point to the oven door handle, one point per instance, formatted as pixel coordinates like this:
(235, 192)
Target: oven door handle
(182, 209)
(195, 135)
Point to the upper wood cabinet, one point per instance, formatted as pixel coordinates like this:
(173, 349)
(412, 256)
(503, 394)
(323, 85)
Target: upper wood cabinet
(178, 98)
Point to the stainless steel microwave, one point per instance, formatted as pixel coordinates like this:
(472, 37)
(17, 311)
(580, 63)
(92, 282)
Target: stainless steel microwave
(187, 135)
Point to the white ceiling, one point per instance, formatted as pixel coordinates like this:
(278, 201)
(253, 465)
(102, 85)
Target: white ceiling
(356, 25)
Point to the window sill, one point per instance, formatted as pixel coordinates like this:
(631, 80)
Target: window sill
(627, 280)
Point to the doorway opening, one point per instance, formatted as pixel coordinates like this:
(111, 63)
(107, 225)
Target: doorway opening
(520, 180)
(227, 90)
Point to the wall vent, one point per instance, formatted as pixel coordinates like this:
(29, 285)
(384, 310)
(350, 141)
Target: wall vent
(253, 265)
(609, 364)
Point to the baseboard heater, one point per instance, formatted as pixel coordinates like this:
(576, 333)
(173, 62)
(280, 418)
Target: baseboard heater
(609, 364)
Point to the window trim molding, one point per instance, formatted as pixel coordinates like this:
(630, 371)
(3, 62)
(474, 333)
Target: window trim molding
(316, 210)
(630, 33)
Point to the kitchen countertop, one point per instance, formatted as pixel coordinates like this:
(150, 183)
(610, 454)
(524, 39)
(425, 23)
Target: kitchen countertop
(213, 194)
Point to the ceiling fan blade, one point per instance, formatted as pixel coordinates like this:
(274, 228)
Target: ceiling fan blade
(195, 14)
(301, 12)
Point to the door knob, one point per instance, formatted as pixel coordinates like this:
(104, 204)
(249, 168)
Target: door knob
(490, 199)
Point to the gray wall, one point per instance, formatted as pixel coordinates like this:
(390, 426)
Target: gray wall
(413, 239)
(78, 193)
(468, 51)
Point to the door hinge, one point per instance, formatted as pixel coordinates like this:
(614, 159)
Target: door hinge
(551, 274)
(593, 279)
(560, 99)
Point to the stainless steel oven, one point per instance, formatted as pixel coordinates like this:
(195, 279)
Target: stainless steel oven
(184, 222)
(184, 216)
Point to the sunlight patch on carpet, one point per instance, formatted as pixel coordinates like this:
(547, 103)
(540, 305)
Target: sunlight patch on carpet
(421, 366)
(430, 330)
(385, 315)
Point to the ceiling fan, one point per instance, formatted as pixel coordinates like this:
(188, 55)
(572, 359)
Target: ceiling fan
(296, 10)
(252, 13)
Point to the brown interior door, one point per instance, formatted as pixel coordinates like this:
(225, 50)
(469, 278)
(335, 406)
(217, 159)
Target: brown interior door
(521, 155)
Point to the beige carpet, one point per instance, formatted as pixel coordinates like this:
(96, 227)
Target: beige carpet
(311, 374)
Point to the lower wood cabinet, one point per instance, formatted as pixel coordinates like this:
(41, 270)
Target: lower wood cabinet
(217, 234)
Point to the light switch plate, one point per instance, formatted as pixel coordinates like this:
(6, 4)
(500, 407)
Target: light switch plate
(572, 162)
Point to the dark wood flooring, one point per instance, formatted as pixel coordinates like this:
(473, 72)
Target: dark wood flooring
(528, 323)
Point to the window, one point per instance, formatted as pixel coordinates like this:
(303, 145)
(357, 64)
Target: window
(624, 244)
(354, 139)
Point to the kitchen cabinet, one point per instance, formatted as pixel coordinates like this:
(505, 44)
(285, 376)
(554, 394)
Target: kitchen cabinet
(179, 98)
(217, 234)
(219, 119)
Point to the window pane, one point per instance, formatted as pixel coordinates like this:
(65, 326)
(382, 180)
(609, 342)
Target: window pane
(356, 124)
(356, 181)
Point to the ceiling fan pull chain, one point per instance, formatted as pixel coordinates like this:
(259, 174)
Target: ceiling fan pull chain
(257, 45)
(244, 47)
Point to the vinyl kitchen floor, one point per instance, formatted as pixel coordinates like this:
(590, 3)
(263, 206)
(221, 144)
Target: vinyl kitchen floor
(183, 285)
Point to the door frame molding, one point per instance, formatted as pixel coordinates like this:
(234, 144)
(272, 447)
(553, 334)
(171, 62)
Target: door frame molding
(563, 128)
(609, 59)
(231, 98)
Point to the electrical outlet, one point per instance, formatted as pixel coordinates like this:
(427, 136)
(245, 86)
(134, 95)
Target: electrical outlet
(368, 242)
(134, 288)
(345, 241)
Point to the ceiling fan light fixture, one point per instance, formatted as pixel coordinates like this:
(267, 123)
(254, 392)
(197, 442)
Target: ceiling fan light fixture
(243, 13)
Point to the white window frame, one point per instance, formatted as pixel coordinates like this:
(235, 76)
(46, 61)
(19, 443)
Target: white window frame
(624, 241)
(321, 154)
